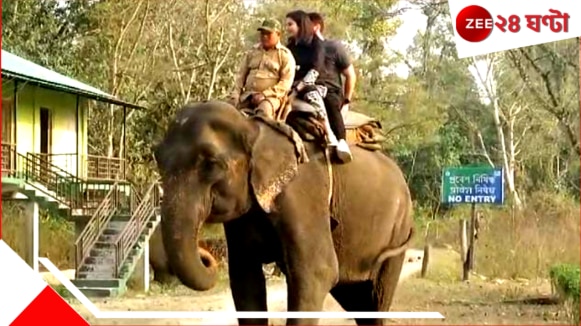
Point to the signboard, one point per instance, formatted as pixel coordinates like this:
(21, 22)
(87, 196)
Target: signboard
(473, 185)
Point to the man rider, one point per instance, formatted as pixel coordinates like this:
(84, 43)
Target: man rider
(338, 63)
(266, 73)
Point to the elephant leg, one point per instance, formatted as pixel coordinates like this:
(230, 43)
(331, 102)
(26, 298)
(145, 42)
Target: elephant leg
(163, 277)
(312, 265)
(387, 280)
(247, 280)
(357, 297)
(376, 295)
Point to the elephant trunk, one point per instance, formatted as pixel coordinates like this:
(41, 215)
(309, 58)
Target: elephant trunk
(194, 266)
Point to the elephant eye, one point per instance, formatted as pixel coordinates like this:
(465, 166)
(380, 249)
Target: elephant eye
(212, 167)
(210, 163)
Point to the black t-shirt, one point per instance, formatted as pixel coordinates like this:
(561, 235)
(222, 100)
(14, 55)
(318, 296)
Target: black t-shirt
(308, 56)
(336, 60)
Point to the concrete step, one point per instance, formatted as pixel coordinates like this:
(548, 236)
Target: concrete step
(121, 218)
(106, 260)
(110, 283)
(98, 267)
(103, 246)
(109, 231)
(109, 238)
(98, 292)
(106, 256)
(116, 225)
(102, 249)
(95, 276)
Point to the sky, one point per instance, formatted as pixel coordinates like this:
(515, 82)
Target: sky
(412, 21)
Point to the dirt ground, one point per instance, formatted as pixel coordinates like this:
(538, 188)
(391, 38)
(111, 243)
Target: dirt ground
(478, 301)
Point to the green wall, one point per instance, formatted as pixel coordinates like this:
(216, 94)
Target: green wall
(63, 106)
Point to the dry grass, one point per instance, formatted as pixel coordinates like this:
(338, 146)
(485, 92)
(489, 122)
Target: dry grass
(57, 237)
(520, 245)
(462, 303)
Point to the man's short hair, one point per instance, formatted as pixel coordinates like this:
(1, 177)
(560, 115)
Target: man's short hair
(317, 18)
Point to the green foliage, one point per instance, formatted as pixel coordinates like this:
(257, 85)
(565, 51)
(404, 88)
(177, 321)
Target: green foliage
(164, 54)
(57, 235)
(566, 278)
(48, 35)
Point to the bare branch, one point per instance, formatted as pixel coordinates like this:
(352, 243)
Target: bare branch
(483, 147)
(137, 39)
(116, 53)
(175, 59)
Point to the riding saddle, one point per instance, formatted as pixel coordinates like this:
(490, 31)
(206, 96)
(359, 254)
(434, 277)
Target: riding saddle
(362, 130)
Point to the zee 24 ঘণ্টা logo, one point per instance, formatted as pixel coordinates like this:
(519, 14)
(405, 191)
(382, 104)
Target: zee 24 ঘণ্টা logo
(475, 23)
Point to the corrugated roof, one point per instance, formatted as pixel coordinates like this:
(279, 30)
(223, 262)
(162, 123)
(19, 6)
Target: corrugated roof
(20, 68)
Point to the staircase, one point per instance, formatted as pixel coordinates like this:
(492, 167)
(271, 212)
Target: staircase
(111, 245)
(119, 224)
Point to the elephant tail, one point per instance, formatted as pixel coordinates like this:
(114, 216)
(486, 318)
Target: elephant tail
(395, 251)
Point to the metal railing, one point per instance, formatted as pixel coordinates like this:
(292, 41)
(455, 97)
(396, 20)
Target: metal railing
(105, 168)
(136, 225)
(55, 180)
(95, 227)
(67, 188)
(67, 162)
(8, 159)
(96, 167)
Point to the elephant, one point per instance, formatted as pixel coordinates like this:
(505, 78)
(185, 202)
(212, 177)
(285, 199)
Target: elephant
(218, 165)
(162, 272)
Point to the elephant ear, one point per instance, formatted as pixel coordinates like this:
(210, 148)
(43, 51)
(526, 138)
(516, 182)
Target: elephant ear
(273, 165)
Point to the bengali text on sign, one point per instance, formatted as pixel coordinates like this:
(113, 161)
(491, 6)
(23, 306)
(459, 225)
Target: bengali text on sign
(472, 185)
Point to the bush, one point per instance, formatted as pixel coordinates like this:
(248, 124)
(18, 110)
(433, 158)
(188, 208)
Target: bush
(57, 236)
(565, 280)
(523, 244)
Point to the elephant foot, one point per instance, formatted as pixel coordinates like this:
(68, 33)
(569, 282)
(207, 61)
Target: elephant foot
(164, 278)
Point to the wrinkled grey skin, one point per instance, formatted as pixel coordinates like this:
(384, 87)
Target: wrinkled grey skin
(219, 167)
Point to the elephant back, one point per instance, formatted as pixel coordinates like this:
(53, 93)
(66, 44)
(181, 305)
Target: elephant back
(361, 130)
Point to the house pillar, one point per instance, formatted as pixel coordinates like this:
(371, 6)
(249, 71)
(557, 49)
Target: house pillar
(31, 234)
(140, 279)
(145, 266)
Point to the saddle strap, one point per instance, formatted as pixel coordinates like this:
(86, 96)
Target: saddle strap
(330, 174)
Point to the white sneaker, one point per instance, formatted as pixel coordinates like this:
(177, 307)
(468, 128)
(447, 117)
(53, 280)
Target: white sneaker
(332, 140)
(343, 151)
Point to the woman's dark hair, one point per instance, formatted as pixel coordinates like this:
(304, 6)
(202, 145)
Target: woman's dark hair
(304, 24)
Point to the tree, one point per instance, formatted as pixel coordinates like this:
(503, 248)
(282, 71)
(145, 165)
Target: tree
(50, 35)
(508, 109)
(550, 71)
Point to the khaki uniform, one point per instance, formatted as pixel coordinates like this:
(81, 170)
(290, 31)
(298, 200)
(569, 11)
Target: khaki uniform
(270, 72)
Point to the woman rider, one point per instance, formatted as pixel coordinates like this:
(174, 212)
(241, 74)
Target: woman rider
(309, 54)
